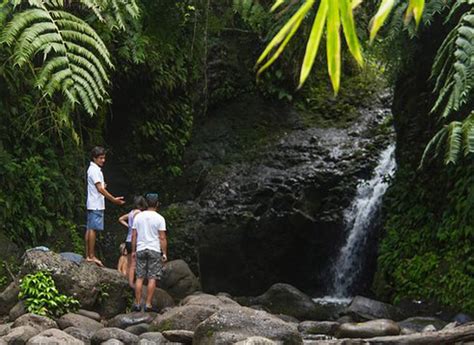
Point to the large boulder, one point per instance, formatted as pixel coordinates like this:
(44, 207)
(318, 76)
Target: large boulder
(369, 329)
(138, 329)
(154, 338)
(41, 323)
(179, 336)
(18, 310)
(417, 324)
(178, 279)
(161, 299)
(105, 334)
(84, 281)
(126, 320)
(208, 300)
(288, 300)
(5, 328)
(362, 308)
(54, 337)
(186, 317)
(8, 298)
(79, 321)
(232, 324)
(80, 334)
(318, 327)
(20, 335)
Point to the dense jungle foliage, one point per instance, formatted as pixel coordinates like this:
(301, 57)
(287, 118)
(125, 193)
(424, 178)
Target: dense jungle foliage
(136, 76)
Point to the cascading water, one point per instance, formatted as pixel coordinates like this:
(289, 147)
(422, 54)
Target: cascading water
(359, 218)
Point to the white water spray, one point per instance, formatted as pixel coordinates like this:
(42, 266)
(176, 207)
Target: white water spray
(358, 219)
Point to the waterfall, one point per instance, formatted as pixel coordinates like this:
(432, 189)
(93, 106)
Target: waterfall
(358, 219)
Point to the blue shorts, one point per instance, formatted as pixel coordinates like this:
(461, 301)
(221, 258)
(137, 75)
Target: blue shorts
(95, 220)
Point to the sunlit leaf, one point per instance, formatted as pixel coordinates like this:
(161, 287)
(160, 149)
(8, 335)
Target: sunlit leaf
(333, 45)
(350, 32)
(380, 17)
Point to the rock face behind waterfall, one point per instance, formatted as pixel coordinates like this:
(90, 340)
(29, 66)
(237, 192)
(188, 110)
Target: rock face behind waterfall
(263, 194)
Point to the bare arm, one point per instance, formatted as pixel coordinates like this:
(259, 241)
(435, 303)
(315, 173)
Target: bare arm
(163, 244)
(116, 200)
(134, 242)
(124, 220)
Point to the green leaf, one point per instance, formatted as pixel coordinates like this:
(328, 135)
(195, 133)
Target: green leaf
(313, 41)
(379, 19)
(350, 32)
(333, 45)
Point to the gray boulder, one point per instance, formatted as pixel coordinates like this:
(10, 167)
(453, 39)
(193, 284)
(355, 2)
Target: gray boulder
(112, 342)
(8, 298)
(256, 341)
(79, 321)
(208, 300)
(318, 327)
(81, 334)
(138, 329)
(73, 257)
(232, 324)
(178, 279)
(18, 310)
(288, 300)
(179, 336)
(41, 323)
(126, 320)
(362, 309)
(417, 324)
(90, 314)
(185, 317)
(369, 329)
(161, 299)
(5, 328)
(54, 337)
(85, 281)
(20, 335)
(154, 337)
(105, 334)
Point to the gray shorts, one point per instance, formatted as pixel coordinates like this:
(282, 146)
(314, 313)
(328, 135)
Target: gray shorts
(149, 264)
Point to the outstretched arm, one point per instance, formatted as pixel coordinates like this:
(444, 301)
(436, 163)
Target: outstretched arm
(116, 200)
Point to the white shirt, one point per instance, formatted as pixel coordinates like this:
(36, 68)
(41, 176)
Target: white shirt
(95, 200)
(147, 224)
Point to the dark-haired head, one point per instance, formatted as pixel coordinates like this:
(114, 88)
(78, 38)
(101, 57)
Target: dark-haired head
(152, 200)
(97, 151)
(140, 203)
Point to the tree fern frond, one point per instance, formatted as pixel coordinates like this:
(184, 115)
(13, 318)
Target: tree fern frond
(468, 134)
(454, 67)
(454, 142)
(75, 57)
(433, 145)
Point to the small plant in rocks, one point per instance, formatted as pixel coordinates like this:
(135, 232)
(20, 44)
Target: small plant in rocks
(41, 296)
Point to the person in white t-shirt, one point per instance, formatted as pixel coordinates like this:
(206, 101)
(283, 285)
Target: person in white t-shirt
(96, 194)
(149, 248)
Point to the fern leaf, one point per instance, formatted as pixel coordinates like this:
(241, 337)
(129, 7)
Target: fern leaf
(454, 142)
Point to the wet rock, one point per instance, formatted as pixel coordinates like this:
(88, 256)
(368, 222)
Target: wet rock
(54, 337)
(318, 327)
(84, 282)
(80, 334)
(79, 321)
(178, 279)
(233, 324)
(125, 320)
(138, 329)
(186, 317)
(368, 329)
(105, 334)
(362, 308)
(41, 323)
(288, 300)
(417, 324)
(5, 328)
(90, 314)
(179, 336)
(20, 335)
(8, 298)
(18, 310)
(155, 337)
(256, 341)
(462, 318)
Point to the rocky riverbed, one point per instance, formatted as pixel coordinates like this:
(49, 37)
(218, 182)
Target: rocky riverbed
(282, 315)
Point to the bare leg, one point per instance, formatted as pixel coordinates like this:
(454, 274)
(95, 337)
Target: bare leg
(150, 291)
(131, 272)
(88, 254)
(92, 257)
(138, 291)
